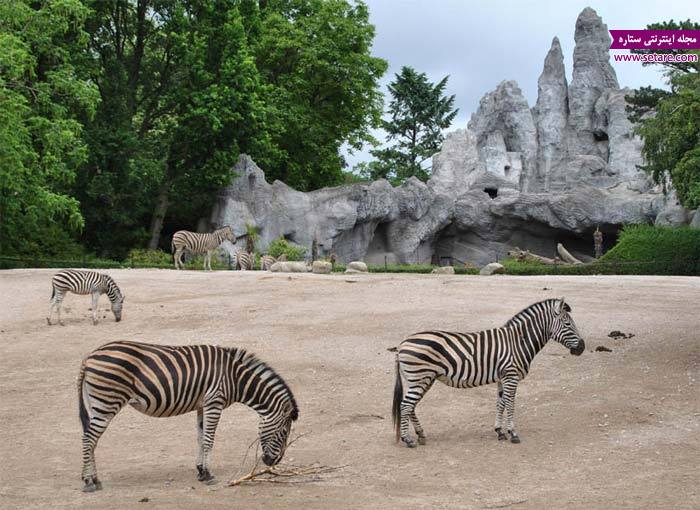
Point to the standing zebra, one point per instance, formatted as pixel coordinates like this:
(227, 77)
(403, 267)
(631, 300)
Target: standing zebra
(266, 261)
(465, 360)
(199, 243)
(163, 381)
(85, 282)
(245, 261)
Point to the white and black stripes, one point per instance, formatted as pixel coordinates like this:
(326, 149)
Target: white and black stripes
(245, 261)
(85, 282)
(196, 242)
(164, 381)
(465, 360)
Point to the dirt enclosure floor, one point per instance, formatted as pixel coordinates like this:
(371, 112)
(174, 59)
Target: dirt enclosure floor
(616, 429)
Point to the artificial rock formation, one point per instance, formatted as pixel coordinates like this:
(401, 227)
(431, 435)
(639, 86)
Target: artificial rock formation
(515, 177)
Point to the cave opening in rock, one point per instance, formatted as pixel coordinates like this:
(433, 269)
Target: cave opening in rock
(251, 180)
(600, 136)
(491, 192)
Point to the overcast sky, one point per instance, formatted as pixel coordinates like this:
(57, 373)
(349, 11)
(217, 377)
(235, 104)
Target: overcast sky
(479, 44)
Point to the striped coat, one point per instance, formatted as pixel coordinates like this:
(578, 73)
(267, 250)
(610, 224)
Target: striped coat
(164, 381)
(83, 282)
(465, 360)
(266, 261)
(196, 242)
(245, 261)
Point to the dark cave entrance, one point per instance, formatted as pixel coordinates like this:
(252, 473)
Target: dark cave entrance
(491, 192)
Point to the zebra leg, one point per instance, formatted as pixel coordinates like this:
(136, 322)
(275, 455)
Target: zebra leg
(100, 415)
(420, 433)
(200, 437)
(95, 299)
(415, 392)
(210, 420)
(52, 304)
(510, 386)
(58, 301)
(500, 406)
(176, 258)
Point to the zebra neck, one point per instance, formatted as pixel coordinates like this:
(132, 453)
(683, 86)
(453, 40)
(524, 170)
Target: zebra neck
(532, 333)
(254, 384)
(113, 291)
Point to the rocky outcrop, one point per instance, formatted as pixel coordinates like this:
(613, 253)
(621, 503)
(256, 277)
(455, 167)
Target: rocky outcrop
(515, 177)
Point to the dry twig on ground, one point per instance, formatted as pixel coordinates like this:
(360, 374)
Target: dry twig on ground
(282, 473)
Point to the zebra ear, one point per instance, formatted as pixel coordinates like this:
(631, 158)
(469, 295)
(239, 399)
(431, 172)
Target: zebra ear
(561, 305)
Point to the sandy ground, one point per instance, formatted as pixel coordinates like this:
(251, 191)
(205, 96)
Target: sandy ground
(604, 430)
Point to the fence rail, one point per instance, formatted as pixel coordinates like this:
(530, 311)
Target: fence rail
(678, 266)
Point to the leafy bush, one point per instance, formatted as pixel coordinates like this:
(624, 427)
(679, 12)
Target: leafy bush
(646, 249)
(149, 258)
(281, 245)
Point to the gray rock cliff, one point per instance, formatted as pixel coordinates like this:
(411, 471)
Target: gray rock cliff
(515, 177)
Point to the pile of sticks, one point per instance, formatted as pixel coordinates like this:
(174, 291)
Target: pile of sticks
(564, 258)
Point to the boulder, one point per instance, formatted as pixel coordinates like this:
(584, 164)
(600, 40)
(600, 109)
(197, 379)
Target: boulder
(492, 268)
(290, 267)
(321, 267)
(360, 267)
(695, 220)
(443, 270)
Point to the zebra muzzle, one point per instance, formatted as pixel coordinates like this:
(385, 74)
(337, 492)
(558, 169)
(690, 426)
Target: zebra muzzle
(578, 350)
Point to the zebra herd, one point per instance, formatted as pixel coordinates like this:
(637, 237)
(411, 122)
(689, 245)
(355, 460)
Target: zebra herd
(164, 381)
(198, 243)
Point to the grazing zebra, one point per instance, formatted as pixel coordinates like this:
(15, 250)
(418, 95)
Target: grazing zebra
(85, 282)
(266, 261)
(163, 381)
(199, 243)
(465, 360)
(245, 260)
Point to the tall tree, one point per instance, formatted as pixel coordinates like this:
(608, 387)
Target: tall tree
(322, 85)
(179, 101)
(669, 123)
(419, 111)
(40, 138)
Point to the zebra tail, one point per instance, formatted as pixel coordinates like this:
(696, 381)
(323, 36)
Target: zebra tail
(398, 397)
(84, 414)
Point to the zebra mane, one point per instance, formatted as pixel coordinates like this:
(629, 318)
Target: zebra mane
(522, 312)
(250, 360)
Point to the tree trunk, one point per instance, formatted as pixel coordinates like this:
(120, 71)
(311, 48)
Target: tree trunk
(162, 203)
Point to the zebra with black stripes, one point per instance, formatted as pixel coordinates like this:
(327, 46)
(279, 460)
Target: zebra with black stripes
(85, 282)
(164, 381)
(465, 360)
(245, 261)
(197, 242)
(266, 261)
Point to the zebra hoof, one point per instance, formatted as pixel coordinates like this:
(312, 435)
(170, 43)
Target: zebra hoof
(410, 443)
(514, 438)
(204, 475)
(61, 323)
(92, 485)
(48, 321)
(501, 435)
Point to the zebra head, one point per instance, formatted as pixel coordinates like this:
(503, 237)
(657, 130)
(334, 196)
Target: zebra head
(564, 329)
(117, 307)
(274, 432)
(228, 233)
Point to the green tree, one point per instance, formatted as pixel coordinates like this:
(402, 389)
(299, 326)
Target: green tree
(419, 111)
(180, 100)
(40, 138)
(669, 123)
(321, 85)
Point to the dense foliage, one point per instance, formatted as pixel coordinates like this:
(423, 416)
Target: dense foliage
(120, 118)
(419, 112)
(41, 144)
(282, 246)
(669, 123)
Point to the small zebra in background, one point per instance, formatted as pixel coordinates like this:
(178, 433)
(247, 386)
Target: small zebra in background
(245, 261)
(266, 261)
(164, 381)
(85, 282)
(199, 243)
(466, 360)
